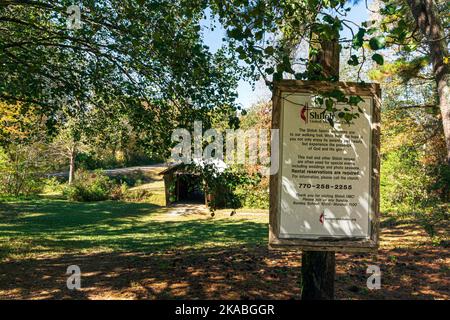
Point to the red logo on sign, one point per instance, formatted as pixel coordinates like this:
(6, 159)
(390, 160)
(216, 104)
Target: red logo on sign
(304, 113)
(322, 217)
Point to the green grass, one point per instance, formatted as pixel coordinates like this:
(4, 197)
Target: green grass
(51, 227)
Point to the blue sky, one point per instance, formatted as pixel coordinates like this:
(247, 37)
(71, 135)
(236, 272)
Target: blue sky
(246, 94)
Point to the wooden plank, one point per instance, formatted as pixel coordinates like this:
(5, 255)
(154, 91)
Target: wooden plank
(273, 181)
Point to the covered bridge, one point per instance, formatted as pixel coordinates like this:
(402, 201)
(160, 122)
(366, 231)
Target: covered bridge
(184, 186)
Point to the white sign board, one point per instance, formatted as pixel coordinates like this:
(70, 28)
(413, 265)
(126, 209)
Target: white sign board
(325, 183)
(325, 171)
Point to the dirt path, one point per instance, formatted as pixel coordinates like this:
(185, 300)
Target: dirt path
(188, 208)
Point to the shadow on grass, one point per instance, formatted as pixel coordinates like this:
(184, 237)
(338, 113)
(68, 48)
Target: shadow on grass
(156, 258)
(58, 226)
(65, 213)
(233, 273)
(239, 272)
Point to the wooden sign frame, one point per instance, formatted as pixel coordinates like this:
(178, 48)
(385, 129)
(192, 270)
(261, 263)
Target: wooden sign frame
(326, 243)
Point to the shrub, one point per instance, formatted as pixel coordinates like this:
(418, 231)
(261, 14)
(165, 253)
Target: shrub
(137, 194)
(404, 180)
(222, 182)
(21, 168)
(253, 196)
(95, 186)
(52, 186)
(118, 191)
(132, 179)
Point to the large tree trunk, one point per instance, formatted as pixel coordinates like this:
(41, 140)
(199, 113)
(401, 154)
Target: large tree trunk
(318, 271)
(72, 165)
(427, 18)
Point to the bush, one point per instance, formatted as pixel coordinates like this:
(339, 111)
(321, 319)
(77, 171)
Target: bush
(415, 177)
(118, 191)
(253, 196)
(137, 194)
(404, 180)
(21, 170)
(132, 179)
(227, 186)
(95, 186)
(52, 186)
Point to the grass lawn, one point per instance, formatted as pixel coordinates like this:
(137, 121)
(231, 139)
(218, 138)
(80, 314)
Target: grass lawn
(144, 251)
(54, 227)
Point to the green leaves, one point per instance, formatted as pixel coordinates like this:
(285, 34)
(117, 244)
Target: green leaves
(236, 33)
(389, 9)
(269, 70)
(278, 76)
(269, 50)
(377, 43)
(337, 94)
(338, 103)
(354, 100)
(144, 60)
(329, 103)
(242, 53)
(358, 40)
(353, 61)
(378, 58)
(334, 23)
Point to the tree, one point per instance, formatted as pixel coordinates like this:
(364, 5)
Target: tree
(143, 58)
(67, 143)
(414, 28)
(22, 149)
(266, 35)
(410, 92)
(427, 18)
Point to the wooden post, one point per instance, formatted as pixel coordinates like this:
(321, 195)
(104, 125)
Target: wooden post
(318, 267)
